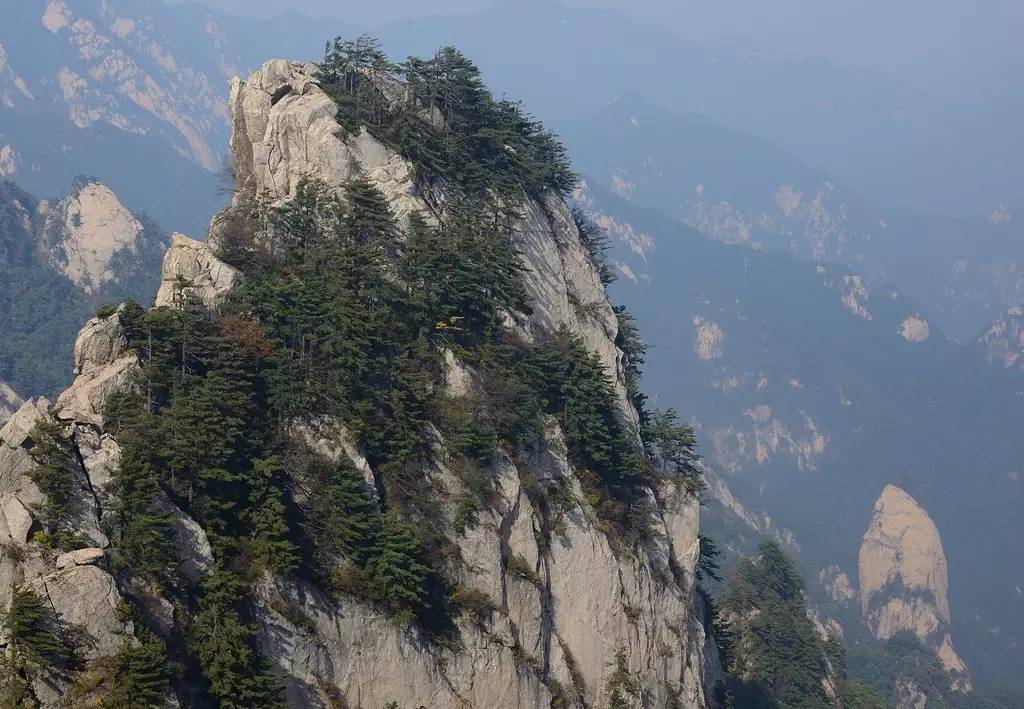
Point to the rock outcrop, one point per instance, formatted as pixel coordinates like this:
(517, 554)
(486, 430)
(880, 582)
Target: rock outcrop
(556, 628)
(77, 252)
(191, 266)
(904, 579)
(76, 584)
(9, 401)
(564, 606)
(85, 232)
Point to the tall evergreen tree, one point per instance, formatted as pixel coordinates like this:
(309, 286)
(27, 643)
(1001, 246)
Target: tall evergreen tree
(53, 474)
(398, 575)
(224, 643)
(35, 637)
(779, 656)
(138, 674)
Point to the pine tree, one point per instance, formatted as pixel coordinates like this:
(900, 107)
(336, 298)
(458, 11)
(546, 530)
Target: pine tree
(340, 518)
(138, 674)
(778, 651)
(53, 473)
(671, 446)
(144, 532)
(225, 645)
(34, 635)
(398, 576)
(269, 547)
(707, 560)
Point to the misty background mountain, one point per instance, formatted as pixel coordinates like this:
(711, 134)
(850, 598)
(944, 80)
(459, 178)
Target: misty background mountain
(838, 196)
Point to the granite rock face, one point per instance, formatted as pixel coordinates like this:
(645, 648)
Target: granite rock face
(76, 584)
(559, 625)
(904, 578)
(190, 265)
(565, 604)
(9, 401)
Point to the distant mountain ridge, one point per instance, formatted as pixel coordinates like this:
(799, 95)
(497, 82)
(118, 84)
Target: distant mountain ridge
(740, 189)
(59, 260)
(807, 408)
(132, 92)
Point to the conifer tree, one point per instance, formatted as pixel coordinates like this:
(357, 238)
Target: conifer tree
(778, 651)
(35, 638)
(138, 674)
(342, 520)
(224, 643)
(53, 473)
(671, 446)
(399, 578)
(270, 546)
(145, 543)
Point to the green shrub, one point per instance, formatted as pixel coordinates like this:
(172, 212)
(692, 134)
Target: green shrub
(473, 602)
(105, 311)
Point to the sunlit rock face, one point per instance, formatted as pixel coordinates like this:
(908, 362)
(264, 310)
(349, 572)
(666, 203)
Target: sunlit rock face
(563, 611)
(904, 579)
(586, 601)
(86, 231)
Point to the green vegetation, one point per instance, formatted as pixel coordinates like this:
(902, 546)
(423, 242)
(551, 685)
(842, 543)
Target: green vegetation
(36, 639)
(137, 676)
(439, 115)
(54, 475)
(225, 644)
(347, 319)
(622, 687)
(37, 647)
(903, 660)
(41, 309)
(779, 659)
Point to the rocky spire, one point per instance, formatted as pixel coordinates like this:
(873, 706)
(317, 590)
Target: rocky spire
(904, 579)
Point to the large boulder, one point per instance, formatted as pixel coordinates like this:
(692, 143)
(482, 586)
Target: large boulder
(85, 598)
(191, 266)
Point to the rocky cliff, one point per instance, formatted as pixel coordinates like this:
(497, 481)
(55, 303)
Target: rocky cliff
(570, 615)
(904, 579)
(590, 603)
(61, 259)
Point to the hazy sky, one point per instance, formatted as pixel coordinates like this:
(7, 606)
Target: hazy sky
(947, 46)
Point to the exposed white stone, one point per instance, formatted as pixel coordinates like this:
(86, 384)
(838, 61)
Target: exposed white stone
(191, 266)
(84, 400)
(330, 438)
(86, 598)
(904, 579)
(89, 229)
(80, 557)
(9, 402)
(915, 329)
(100, 342)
